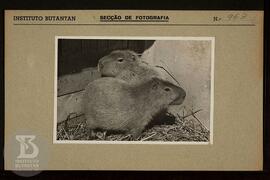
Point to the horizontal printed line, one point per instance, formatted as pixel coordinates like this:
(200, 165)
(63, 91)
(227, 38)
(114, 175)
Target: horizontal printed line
(133, 24)
(134, 21)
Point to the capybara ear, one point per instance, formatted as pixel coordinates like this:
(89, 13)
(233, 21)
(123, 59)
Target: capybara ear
(154, 86)
(156, 79)
(155, 83)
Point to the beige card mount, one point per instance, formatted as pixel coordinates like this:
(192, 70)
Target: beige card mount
(133, 90)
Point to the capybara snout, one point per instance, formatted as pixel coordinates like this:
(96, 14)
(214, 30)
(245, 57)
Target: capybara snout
(100, 66)
(176, 93)
(181, 96)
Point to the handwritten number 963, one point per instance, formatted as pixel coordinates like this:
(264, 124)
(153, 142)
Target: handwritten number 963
(236, 16)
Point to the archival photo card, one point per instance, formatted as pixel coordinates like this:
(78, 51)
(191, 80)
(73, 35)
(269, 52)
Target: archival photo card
(134, 89)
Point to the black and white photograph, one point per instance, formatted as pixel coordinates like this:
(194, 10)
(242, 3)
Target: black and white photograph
(134, 89)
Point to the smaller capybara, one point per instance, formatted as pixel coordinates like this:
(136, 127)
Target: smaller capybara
(113, 63)
(126, 65)
(113, 104)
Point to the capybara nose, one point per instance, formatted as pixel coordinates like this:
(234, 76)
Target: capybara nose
(100, 65)
(184, 94)
(180, 98)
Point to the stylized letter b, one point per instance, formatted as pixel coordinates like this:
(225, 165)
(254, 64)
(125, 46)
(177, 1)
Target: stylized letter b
(25, 141)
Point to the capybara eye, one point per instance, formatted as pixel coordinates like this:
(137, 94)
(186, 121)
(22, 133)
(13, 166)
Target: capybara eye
(120, 59)
(167, 89)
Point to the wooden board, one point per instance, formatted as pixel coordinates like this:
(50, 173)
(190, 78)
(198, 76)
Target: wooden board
(70, 89)
(77, 81)
(69, 105)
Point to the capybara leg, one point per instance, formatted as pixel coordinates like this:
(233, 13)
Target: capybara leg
(91, 134)
(136, 133)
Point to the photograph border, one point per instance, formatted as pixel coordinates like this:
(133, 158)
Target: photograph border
(199, 38)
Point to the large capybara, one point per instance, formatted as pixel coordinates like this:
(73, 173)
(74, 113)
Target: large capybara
(114, 104)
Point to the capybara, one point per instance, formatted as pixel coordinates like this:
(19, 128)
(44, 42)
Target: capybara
(113, 63)
(114, 104)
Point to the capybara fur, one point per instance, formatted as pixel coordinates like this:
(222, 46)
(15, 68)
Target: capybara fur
(113, 104)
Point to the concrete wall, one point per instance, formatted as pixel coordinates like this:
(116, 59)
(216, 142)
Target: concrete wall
(190, 63)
